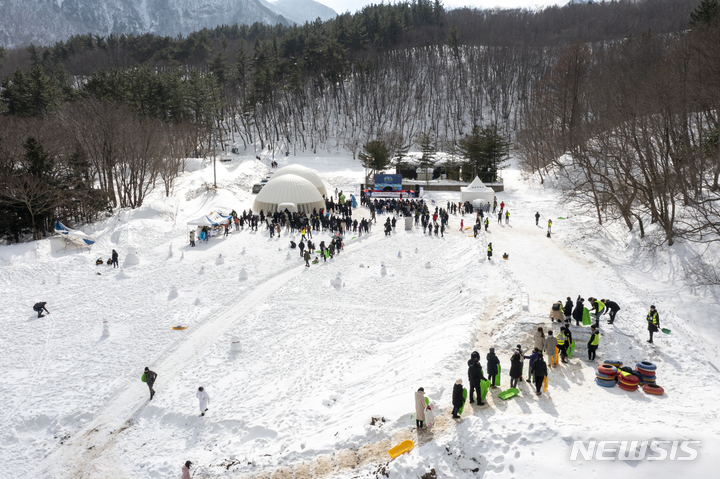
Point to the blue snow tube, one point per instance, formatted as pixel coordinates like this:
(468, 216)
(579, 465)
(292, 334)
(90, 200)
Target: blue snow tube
(605, 383)
(648, 378)
(617, 364)
(604, 376)
(646, 365)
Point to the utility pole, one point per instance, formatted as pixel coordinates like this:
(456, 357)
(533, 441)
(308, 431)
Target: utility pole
(212, 138)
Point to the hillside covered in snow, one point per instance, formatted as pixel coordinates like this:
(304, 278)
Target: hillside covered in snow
(317, 359)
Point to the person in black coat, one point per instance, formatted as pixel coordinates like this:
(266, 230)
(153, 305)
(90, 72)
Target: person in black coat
(577, 313)
(516, 364)
(115, 259)
(475, 375)
(611, 306)
(457, 398)
(492, 366)
(39, 308)
(568, 335)
(539, 370)
(150, 377)
(568, 309)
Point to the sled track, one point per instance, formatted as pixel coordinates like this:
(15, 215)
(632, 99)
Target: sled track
(81, 454)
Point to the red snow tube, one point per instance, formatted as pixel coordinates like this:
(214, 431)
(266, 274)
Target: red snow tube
(653, 389)
(607, 370)
(627, 387)
(629, 380)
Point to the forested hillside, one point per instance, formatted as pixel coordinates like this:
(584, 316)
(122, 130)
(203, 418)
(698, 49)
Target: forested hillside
(92, 123)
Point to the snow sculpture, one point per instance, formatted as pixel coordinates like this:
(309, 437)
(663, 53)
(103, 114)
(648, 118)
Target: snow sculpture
(131, 259)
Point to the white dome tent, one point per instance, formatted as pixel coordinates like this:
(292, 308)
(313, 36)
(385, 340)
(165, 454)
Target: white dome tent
(477, 191)
(288, 188)
(303, 172)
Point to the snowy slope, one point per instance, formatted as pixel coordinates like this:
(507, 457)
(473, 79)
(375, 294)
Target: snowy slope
(318, 361)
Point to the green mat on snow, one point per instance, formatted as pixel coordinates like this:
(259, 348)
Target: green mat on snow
(586, 317)
(462, 408)
(571, 349)
(484, 387)
(510, 393)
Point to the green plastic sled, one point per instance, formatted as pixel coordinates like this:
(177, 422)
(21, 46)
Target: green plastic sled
(497, 377)
(462, 408)
(484, 387)
(586, 317)
(510, 393)
(571, 349)
(665, 330)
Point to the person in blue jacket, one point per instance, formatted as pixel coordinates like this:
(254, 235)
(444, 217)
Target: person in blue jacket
(533, 357)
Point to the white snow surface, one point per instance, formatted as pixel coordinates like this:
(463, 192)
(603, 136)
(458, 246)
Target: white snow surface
(318, 358)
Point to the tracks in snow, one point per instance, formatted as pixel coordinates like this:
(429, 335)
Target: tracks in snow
(89, 453)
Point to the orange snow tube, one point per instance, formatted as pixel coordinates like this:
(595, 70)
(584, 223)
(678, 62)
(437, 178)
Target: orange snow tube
(653, 389)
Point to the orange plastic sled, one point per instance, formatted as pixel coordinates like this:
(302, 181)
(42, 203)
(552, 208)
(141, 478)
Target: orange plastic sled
(179, 328)
(401, 448)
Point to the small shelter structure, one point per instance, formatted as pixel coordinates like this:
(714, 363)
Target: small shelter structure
(74, 237)
(303, 172)
(288, 188)
(213, 219)
(477, 191)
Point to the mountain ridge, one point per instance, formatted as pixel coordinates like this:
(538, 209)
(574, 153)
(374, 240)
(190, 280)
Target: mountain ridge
(45, 22)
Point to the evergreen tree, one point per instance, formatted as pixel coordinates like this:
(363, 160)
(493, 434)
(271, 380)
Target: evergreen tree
(485, 151)
(374, 157)
(428, 149)
(706, 14)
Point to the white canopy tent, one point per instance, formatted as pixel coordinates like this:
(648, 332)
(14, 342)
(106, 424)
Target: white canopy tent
(213, 219)
(303, 172)
(477, 191)
(288, 189)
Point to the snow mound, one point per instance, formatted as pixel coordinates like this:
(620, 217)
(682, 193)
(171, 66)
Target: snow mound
(131, 259)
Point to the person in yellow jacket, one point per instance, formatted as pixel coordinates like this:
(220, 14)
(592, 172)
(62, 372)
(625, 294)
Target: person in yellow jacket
(562, 345)
(653, 319)
(599, 308)
(489, 251)
(551, 347)
(593, 343)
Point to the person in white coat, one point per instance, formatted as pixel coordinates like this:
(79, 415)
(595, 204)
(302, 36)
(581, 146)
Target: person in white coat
(539, 339)
(202, 395)
(420, 406)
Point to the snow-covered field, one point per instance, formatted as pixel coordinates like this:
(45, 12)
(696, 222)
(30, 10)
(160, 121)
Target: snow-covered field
(318, 361)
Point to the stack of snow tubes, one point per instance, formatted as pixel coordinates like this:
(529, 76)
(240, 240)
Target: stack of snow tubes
(605, 375)
(646, 369)
(628, 381)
